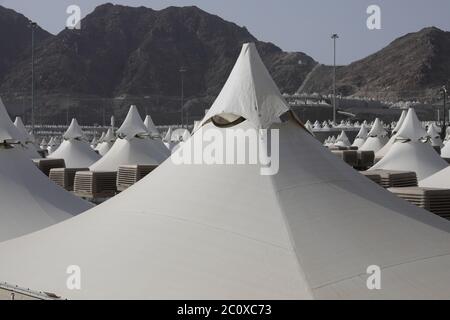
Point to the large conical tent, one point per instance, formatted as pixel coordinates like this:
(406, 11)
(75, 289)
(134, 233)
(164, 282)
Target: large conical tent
(228, 232)
(76, 152)
(29, 201)
(376, 139)
(409, 153)
(134, 146)
(382, 152)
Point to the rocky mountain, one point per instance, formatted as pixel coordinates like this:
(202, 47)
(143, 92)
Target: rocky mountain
(413, 66)
(127, 52)
(15, 39)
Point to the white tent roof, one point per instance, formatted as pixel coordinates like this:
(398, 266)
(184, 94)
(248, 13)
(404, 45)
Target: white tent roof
(8, 131)
(377, 129)
(76, 154)
(132, 125)
(433, 134)
(233, 233)
(440, 179)
(109, 136)
(399, 122)
(74, 131)
(168, 136)
(102, 137)
(250, 92)
(411, 128)
(277, 238)
(412, 156)
(21, 127)
(29, 201)
(361, 137)
(134, 151)
(343, 140)
(148, 122)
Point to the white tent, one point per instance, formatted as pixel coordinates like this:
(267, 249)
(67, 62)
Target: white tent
(233, 233)
(134, 146)
(76, 152)
(23, 131)
(434, 136)
(29, 201)
(342, 140)
(409, 153)
(9, 132)
(382, 152)
(361, 137)
(376, 139)
(149, 124)
(106, 142)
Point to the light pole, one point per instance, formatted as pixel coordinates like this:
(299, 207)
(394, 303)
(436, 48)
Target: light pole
(444, 127)
(334, 37)
(33, 26)
(182, 72)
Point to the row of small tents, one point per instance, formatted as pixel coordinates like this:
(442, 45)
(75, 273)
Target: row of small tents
(215, 231)
(410, 148)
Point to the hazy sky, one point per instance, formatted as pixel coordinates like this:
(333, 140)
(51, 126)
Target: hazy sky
(293, 25)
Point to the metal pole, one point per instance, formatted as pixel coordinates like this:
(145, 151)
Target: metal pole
(182, 71)
(334, 37)
(33, 26)
(444, 127)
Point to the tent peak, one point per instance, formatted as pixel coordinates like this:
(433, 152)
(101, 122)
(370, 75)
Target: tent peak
(249, 92)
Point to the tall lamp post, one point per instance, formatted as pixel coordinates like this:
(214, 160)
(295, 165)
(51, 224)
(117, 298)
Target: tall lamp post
(334, 37)
(182, 72)
(33, 26)
(444, 127)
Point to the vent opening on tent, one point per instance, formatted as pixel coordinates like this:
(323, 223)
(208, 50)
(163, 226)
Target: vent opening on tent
(226, 120)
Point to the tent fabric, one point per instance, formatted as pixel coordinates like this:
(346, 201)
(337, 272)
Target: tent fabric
(135, 151)
(8, 131)
(106, 142)
(132, 125)
(74, 131)
(399, 122)
(150, 125)
(259, 100)
(382, 152)
(233, 233)
(412, 156)
(276, 239)
(411, 127)
(440, 179)
(76, 154)
(361, 137)
(21, 127)
(342, 140)
(376, 139)
(434, 136)
(168, 136)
